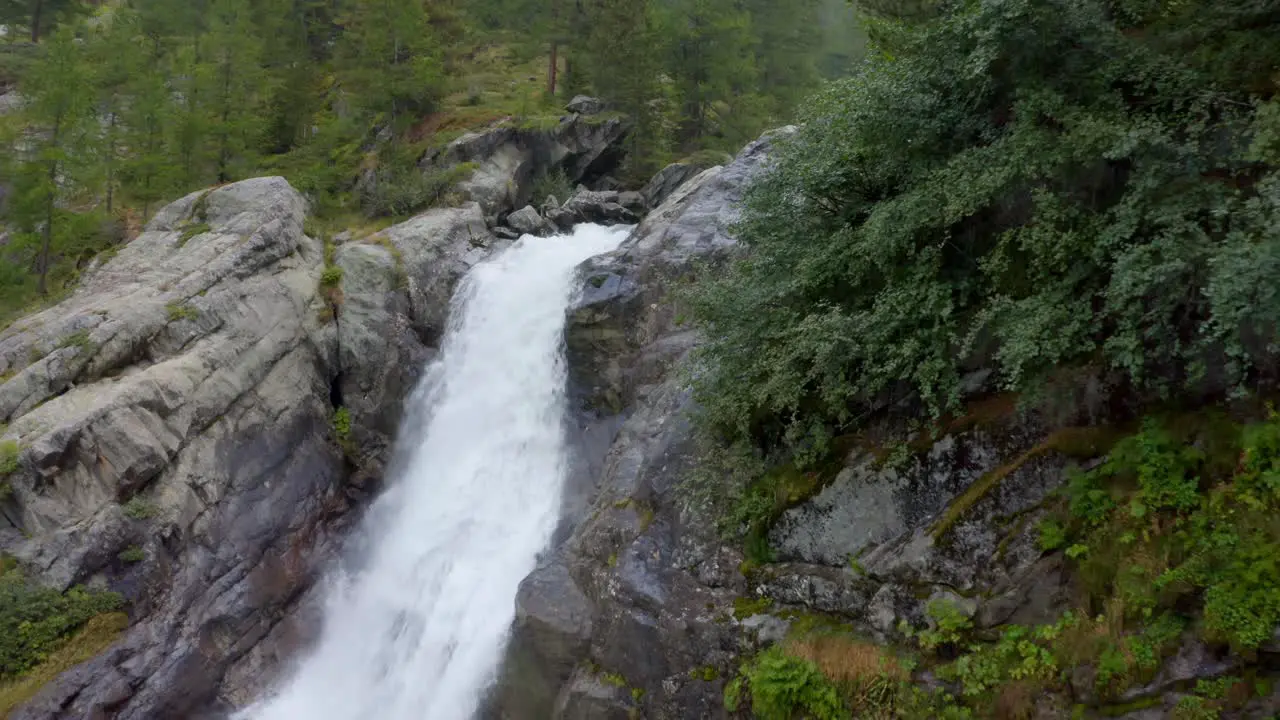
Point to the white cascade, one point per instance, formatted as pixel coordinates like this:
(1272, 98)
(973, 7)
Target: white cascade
(417, 629)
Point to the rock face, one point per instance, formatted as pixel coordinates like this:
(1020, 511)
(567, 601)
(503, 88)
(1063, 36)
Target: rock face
(638, 595)
(181, 402)
(509, 159)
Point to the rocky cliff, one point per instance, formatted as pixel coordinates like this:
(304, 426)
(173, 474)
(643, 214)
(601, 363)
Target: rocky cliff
(175, 419)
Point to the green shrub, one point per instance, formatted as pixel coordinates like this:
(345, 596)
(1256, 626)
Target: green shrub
(342, 424)
(34, 620)
(783, 687)
(402, 189)
(78, 339)
(554, 183)
(1016, 185)
(1166, 522)
(331, 277)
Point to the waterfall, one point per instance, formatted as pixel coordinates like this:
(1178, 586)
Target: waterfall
(417, 629)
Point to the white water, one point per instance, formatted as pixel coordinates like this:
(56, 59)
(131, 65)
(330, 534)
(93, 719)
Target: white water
(417, 631)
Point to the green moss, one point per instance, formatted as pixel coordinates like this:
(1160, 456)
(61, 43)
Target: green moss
(191, 230)
(744, 608)
(181, 311)
(706, 673)
(1079, 443)
(79, 340)
(9, 452)
(613, 678)
(132, 554)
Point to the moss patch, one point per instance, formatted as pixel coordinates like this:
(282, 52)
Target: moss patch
(1079, 443)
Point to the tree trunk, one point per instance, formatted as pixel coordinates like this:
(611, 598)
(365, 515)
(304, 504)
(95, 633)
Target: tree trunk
(224, 151)
(35, 21)
(46, 240)
(111, 163)
(553, 69)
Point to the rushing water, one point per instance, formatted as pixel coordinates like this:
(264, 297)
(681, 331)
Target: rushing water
(417, 629)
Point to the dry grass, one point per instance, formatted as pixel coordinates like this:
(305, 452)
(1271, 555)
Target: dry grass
(1017, 700)
(96, 636)
(847, 660)
(868, 675)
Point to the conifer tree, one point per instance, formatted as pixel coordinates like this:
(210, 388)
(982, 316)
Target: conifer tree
(58, 115)
(237, 84)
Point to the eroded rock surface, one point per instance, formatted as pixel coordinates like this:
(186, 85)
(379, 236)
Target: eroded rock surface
(181, 403)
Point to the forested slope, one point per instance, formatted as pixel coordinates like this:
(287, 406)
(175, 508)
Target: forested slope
(127, 105)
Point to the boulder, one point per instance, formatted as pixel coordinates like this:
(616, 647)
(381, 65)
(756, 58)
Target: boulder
(527, 221)
(601, 207)
(509, 159)
(584, 105)
(668, 179)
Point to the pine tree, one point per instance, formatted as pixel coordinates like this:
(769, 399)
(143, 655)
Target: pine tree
(387, 59)
(623, 55)
(237, 85)
(713, 63)
(58, 114)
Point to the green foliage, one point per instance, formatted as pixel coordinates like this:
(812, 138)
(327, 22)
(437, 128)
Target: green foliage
(401, 188)
(9, 451)
(1176, 518)
(949, 624)
(553, 184)
(34, 621)
(1014, 184)
(783, 687)
(139, 509)
(342, 424)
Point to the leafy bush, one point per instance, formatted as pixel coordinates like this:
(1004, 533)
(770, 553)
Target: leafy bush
(783, 687)
(35, 620)
(1020, 185)
(1170, 518)
(331, 277)
(139, 509)
(181, 311)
